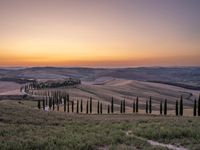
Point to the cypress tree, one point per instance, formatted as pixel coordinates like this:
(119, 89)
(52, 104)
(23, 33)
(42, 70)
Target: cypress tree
(77, 107)
(43, 103)
(72, 106)
(65, 104)
(134, 107)
(165, 107)
(39, 105)
(199, 106)
(108, 109)
(137, 105)
(195, 108)
(101, 109)
(176, 108)
(181, 106)
(161, 108)
(150, 106)
(68, 103)
(53, 104)
(124, 110)
(50, 102)
(98, 107)
(68, 106)
(90, 105)
(147, 106)
(87, 107)
(81, 105)
(112, 105)
(121, 107)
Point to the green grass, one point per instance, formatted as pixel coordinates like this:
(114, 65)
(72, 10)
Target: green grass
(180, 131)
(23, 126)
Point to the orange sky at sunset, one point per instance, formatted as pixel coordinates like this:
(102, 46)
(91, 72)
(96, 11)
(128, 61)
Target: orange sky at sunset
(99, 33)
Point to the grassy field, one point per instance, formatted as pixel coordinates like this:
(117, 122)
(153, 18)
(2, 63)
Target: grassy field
(23, 126)
(121, 89)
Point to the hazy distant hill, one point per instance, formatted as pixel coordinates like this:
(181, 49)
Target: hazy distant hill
(180, 75)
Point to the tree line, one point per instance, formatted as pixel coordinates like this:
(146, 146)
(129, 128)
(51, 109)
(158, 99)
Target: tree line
(53, 100)
(36, 85)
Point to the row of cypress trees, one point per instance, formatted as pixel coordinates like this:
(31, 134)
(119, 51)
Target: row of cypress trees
(163, 110)
(136, 105)
(148, 106)
(195, 110)
(179, 107)
(56, 99)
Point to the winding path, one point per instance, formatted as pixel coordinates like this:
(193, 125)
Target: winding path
(155, 143)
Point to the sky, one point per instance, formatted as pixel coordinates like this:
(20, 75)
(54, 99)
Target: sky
(100, 33)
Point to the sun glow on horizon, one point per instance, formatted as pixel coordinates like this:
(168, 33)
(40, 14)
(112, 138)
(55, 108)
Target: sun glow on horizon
(114, 33)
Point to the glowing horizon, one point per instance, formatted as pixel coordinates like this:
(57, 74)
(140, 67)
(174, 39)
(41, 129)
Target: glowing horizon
(100, 33)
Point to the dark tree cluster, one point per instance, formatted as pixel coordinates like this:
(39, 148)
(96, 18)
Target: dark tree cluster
(36, 85)
(54, 99)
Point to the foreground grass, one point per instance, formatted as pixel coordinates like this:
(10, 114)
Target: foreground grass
(24, 127)
(178, 131)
